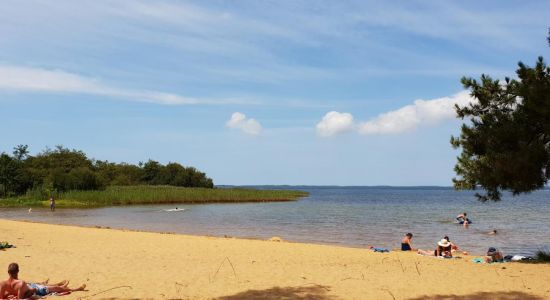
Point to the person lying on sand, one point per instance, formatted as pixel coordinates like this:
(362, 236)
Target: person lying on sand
(42, 290)
(19, 289)
(443, 250)
(406, 243)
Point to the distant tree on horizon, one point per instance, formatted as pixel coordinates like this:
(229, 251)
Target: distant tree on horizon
(62, 169)
(506, 145)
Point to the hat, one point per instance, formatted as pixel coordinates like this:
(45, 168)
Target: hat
(491, 250)
(444, 243)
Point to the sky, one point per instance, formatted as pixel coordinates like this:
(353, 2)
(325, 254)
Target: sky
(258, 92)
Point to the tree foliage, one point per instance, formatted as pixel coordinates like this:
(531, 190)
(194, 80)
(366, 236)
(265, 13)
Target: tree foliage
(506, 145)
(62, 169)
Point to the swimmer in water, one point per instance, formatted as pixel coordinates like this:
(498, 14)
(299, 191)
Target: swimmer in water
(493, 232)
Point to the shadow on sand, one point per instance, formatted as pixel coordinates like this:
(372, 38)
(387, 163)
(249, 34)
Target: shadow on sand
(482, 296)
(314, 292)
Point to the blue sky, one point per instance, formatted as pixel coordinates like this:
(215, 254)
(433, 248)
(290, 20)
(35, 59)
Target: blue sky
(258, 92)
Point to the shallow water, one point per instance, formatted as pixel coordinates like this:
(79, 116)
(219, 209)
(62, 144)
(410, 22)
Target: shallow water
(350, 216)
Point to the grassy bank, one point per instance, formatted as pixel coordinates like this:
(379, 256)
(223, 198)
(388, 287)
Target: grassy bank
(128, 195)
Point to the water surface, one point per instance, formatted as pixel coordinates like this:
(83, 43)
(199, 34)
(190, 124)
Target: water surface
(347, 216)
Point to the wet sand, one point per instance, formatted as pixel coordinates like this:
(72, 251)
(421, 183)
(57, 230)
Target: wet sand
(118, 264)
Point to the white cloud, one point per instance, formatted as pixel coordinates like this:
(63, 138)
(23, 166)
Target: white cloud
(239, 121)
(26, 79)
(421, 112)
(334, 123)
(404, 119)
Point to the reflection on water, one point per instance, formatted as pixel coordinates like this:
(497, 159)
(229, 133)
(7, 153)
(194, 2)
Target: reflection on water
(352, 216)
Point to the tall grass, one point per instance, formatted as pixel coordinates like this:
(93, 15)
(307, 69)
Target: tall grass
(146, 194)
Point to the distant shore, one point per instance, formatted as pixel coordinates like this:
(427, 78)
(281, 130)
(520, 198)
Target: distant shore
(150, 194)
(121, 264)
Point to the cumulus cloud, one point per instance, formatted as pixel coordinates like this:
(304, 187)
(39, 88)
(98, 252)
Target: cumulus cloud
(421, 112)
(404, 119)
(26, 79)
(334, 123)
(240, 121)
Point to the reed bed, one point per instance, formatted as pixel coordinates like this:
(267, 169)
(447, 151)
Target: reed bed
(146, 194)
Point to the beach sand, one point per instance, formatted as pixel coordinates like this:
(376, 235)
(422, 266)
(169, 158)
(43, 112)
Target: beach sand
(118, 264)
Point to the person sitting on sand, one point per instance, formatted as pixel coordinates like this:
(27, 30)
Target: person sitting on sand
(454, 247)
(13, 287)
(493, 255)
(22, 290)
(443, 250)
(406, 242)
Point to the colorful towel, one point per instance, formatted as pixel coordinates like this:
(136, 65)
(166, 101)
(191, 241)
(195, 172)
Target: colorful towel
(478, 260)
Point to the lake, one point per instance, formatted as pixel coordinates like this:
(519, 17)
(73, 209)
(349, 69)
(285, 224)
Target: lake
(347, 216)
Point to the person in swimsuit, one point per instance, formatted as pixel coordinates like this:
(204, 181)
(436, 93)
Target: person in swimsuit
(13, 287)
(443, 249)
(493, 255)
(461, 217)
(52, 204)
(42, 289)
(406, 242)
(454, 247)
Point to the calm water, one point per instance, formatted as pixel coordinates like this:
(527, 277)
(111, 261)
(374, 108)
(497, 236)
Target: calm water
(351, 216)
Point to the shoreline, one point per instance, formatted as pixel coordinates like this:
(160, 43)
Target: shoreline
(177, 266)
(245, 238)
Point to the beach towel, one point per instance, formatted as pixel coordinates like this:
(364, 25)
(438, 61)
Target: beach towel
(382, 250)
(478, 260)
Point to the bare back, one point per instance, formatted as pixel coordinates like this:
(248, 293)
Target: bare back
(15, 288)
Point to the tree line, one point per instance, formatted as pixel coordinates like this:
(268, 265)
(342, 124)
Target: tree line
(62, 169)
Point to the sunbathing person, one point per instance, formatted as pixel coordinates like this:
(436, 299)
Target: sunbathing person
(493, 255)
(454, 247)
(443, 250)
(13, 287)
(42, 290)
(406, 242)
(19, 289)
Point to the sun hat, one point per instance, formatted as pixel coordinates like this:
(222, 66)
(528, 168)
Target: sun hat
(444, 243)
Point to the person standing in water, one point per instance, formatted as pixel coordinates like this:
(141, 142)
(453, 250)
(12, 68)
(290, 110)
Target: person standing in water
(52, 204)
(463, 219)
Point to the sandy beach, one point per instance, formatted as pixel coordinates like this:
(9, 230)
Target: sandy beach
(119, 264)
